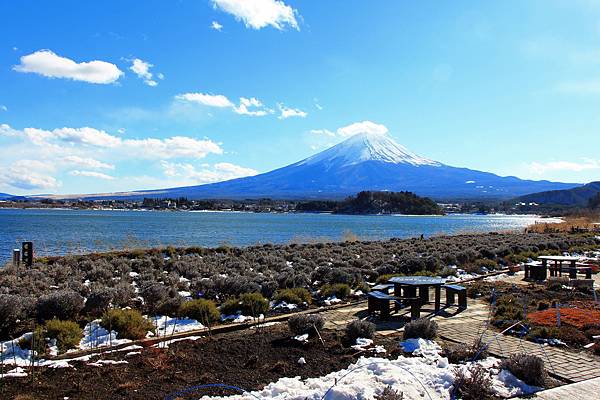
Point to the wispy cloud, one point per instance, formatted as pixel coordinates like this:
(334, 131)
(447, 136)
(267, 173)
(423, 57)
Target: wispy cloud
(541, 168)
(91, 174)
(258, 14)
(28, 175)
(51, 65)
(580, 87)
(87, 162)
(216, 26)
(287, 112)
(3, 107)
(205, 173)
(247, 106)
(142, 69)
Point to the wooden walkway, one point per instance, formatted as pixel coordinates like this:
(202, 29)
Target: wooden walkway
(468, 326)
(586, 390)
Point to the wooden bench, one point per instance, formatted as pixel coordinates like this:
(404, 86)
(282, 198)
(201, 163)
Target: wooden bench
(379, 302)
(452, 291)
(384, 288)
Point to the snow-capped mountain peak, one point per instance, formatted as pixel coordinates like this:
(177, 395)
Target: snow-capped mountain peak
(368, 147)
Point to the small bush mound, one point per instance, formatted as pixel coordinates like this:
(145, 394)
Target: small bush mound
(572, 336)
(253, 304)
(64, 304)
(474, 384)
(389, 394)
(129, 324)
(529, 369)
(293, 296)
(68, 334)
(339, 290)
(596, 349)
(359, 329)
(305, 323)
(421, 328)
(36, 341)
(204, 311)
(462, 352)
(231, 307)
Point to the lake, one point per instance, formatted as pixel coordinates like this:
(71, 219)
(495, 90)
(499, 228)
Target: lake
(56, 232)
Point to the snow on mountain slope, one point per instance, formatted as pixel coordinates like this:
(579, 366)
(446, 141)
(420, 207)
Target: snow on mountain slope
(368, 147)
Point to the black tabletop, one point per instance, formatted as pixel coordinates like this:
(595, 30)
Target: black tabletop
(417, 280)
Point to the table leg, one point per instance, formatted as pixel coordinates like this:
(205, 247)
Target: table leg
(438, 294)
(424, 294)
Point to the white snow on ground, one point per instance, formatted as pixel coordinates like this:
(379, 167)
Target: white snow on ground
(15, 373)
(495, 278)
(167, 326)
(331, 300)
(421, 347)
(12, 354)
(426, 377)
(362, 344)
(100, 363)
(238, 318)
(96, 336)
(284, 305)
(165, 344)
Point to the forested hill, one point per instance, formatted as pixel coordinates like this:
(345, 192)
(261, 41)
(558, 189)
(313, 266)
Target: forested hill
(579, 196)
(376, 203)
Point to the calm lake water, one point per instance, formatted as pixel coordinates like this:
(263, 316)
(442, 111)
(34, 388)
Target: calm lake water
(57, 232)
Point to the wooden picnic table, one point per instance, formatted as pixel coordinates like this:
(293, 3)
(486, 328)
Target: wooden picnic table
(556, 267)
(406, 286)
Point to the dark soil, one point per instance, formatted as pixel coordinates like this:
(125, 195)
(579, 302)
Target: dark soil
(246, 359)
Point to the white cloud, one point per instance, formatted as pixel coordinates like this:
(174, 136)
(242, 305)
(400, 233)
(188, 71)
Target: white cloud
(48, 64)
(216, 26)
(142, 69)
(91, 174)
(87, 162)
(206, 174)
(252, 106)
(362, 127)
(287, 112)
(579, 87)
(258, 14)
(247, 106)
(554, 166)
(148, 148)
(3, 107)
(28, 175)
(210, 100)
(323, 132)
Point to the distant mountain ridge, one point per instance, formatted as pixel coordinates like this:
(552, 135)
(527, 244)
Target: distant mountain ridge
(4, 196)
(579, 196)
(364, 162)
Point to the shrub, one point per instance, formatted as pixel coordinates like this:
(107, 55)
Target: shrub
(98, 301)
(543, 332)
(363, 287)
(68, 334)
(386, 277)
(129, 324)
(201, 310)
(231, 307)
(508, 310)
(462, 352)
(11, 310)
(64, 304)
(475, 384)
(572, 336)
(529, 369)
(253, 304)
(36, 341)
(490, 265)
(596, 349)
(591, 330)
(421, 328)
(359, 329)
(389, 394)
(339, 290)
(294, 296)
(305, 323)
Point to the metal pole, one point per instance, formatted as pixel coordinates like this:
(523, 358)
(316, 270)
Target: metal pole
(16, 258)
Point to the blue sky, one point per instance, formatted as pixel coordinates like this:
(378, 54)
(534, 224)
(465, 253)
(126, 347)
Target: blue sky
(112, 95)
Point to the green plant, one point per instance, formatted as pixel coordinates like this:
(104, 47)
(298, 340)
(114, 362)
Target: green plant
(462, 352)
(363, 287)
(68, 334)
(339, 290)
(421, 328)
(491, 265)
(231, 306)
(128, 323)
(293, 296)
(529, 369)
(204, 311)
(253, 304)
(359, 329)
(508, 310)
(386, 277)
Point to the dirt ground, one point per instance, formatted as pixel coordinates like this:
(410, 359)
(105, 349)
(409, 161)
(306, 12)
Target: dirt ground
(246, 359)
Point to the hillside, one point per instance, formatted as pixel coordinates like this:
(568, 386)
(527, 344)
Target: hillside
(578, 196)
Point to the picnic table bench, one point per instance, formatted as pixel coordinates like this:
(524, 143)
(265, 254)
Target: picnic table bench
(384, 287)
(382, 303)
(452, 291)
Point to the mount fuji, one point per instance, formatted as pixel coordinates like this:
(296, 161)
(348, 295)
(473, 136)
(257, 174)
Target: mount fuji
(366, 161)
